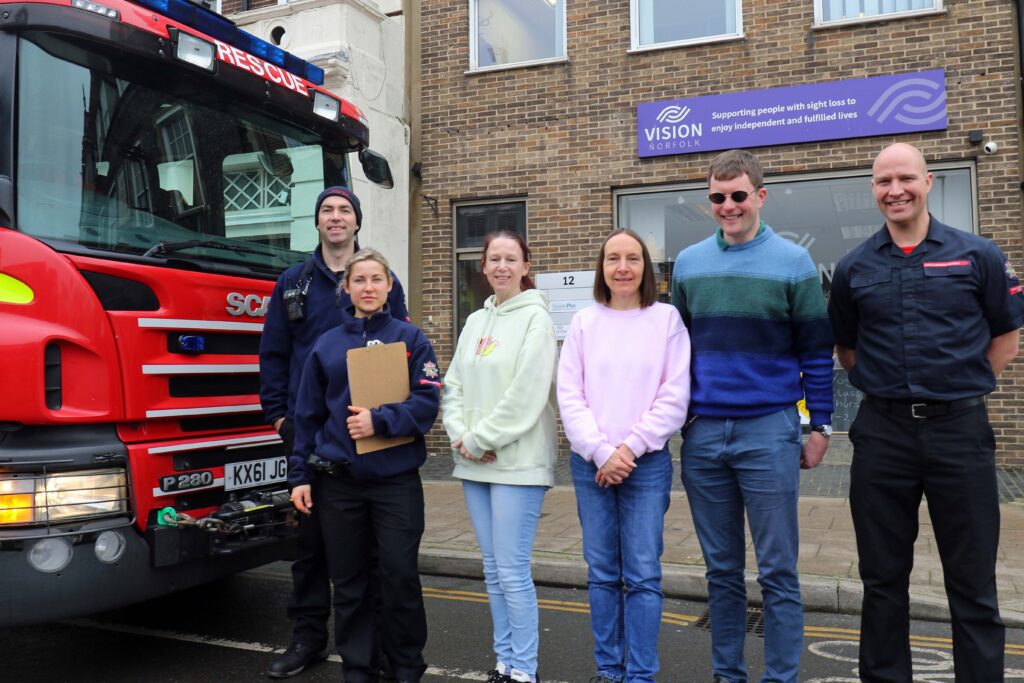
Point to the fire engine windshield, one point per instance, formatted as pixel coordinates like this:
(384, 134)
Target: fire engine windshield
(114, 159)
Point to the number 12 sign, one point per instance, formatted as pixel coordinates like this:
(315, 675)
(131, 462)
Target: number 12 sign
(567, 293)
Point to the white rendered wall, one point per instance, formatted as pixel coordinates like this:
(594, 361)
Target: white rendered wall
(362, 52)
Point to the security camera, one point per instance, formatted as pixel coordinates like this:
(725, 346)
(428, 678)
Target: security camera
(990, 147)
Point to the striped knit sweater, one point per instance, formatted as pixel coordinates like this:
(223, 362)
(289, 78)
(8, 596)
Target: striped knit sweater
(757, 320)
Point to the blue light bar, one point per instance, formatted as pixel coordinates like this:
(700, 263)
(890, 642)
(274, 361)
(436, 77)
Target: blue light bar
(314, 74)
(213, 24)
(263, 49)
(200, 18)
(221, 28)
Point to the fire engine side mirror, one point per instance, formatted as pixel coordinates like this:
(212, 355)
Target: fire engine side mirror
(376, 168)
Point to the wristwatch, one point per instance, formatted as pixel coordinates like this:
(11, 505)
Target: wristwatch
(824, 430)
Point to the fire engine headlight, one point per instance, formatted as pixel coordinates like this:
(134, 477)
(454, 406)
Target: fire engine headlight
(38, 498)
(17, 500)
(195, 51)
(50, 554)
(110, 546)
(70, 495)
(326, 106)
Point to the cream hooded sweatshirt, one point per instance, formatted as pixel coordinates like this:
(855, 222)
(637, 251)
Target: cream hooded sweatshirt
(499, 393)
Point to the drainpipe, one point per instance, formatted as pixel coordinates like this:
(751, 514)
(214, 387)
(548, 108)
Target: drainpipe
(1020, 79)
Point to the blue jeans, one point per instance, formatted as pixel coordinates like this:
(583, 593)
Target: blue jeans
(752, 463)
(623, 538)
(505, 521)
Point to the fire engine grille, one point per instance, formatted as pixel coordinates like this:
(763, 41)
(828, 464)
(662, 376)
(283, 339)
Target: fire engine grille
(216, 343)
(222, 422)
(219, 457)
(187, 386)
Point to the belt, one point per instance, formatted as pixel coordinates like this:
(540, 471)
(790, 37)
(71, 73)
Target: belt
(923, 409)
(332, 468)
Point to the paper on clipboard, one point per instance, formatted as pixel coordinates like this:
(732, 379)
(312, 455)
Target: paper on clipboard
(378, 374)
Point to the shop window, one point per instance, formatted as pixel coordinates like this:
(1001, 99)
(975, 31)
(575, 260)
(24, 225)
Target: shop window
(515, 32)
(667, 23)
(828, 11)
(472, 223)
(828, 216)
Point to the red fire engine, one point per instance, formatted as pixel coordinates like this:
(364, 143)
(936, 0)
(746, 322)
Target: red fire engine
(158, 171)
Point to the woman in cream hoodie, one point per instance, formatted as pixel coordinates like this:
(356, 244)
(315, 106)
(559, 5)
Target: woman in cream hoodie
(499, 413)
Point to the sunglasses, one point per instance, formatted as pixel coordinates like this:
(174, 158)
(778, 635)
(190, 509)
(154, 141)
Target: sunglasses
(738, 197)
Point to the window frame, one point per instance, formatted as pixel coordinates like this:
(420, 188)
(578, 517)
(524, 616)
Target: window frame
(474, 65)
(634, 31)
(777, 179)
(819, 21)
(476, 253)
(165, 129)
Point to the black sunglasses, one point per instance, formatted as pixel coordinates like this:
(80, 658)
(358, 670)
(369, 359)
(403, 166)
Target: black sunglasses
(739, 196)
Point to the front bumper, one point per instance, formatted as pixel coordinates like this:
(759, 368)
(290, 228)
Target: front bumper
(166, 559)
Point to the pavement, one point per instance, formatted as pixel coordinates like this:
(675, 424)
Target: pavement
(828, 552)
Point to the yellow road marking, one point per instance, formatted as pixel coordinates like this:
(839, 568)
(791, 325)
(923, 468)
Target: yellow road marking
(833, 633)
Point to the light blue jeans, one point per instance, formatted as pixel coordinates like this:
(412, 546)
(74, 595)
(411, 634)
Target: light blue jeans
(623, 538)
(505, 521)
(751, 463)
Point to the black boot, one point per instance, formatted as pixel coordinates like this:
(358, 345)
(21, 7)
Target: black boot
(295, 659)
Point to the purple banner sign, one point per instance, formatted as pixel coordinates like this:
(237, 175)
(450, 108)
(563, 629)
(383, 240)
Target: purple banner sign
(835, 110)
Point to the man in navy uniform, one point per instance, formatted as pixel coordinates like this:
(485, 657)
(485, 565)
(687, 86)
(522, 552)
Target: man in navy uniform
(307, 301)
(925, 318)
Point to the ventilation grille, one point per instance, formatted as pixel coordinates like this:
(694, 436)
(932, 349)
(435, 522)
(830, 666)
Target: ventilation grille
(51, 377)
(206, 423)
(217, 343)
(189, 386)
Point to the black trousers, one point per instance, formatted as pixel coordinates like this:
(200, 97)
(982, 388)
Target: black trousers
(310, 602)
(951, 460)
(356, 517)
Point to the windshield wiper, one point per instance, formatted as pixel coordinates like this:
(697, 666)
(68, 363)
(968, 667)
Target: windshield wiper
(166, 248)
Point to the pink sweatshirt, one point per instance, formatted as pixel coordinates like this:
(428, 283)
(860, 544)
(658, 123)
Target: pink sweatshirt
(623, 378)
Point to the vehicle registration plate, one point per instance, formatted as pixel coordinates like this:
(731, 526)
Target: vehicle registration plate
(244, 475)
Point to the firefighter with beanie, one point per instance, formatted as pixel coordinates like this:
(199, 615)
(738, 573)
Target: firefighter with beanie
(308, 300)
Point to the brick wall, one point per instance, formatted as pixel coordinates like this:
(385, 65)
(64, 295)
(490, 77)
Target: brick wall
(563, 134)
(230, 7)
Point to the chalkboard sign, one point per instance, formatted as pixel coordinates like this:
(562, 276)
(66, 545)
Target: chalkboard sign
(847, 400)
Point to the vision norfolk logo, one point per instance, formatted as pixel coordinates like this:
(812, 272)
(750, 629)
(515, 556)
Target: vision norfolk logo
(911, 101)
(671, 131)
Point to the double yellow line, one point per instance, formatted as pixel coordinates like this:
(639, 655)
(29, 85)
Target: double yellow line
(823, 632)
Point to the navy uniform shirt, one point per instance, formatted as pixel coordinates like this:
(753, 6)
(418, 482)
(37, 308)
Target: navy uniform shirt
(921, 323)
(285, 343)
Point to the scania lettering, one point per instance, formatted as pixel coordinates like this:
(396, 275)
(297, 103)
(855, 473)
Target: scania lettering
(251, 304)
(158, 170)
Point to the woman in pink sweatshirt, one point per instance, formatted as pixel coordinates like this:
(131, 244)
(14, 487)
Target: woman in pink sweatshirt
(623, 390)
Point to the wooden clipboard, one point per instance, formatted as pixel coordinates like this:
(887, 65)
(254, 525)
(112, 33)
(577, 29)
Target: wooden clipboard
(378, 374)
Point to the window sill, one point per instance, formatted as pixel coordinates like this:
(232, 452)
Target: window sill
(685, 43)
(516, 65)
(856, 21)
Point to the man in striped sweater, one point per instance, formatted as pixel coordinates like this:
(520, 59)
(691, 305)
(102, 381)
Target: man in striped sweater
(761, 341)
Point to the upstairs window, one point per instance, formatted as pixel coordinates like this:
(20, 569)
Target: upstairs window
(667, 23)
(472, 223)
(515, 32)
(832, 11)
